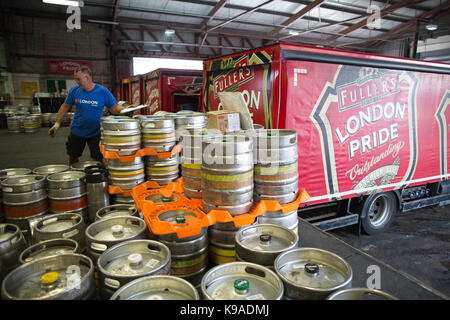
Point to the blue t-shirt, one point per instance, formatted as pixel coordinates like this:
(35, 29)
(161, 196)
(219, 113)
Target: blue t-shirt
(88, 109)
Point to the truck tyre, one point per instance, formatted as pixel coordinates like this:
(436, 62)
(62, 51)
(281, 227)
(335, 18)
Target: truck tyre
(378, 212)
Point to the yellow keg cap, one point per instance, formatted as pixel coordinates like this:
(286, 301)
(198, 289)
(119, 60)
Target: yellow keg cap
(49, 277)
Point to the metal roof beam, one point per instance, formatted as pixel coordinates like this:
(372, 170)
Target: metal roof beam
(212, 13)
(232, 19)
(390, 34)
(123, 32)
(363, 22)
(296, 16)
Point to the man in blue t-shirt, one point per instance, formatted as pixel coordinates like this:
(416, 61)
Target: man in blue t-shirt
(89, 100)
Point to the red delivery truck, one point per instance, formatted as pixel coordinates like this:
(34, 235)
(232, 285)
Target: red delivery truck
(372, 130)
(136, 91)
(172, 90)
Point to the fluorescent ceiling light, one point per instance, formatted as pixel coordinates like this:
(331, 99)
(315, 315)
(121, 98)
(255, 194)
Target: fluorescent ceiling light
(293, 33)
(71, 3)
(169, 31)
(431, 27)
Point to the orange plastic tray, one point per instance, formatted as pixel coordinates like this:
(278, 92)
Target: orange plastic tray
(140, 153)
(191, 227)
(148, 188)
(273, 205)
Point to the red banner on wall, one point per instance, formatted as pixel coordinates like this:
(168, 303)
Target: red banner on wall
(65, 66)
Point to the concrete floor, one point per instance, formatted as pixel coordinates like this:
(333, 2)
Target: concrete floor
(31, 150)
(417, 243)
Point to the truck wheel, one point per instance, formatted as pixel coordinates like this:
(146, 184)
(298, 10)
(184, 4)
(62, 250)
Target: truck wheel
(378, 212)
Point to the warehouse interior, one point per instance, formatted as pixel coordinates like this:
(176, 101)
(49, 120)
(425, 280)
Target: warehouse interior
(43, 44)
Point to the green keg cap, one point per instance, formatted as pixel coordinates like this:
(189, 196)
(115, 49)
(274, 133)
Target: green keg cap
(165, 200)
(180, 219)
(241, 284)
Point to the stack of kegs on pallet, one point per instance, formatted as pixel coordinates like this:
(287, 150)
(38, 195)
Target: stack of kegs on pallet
(159, 135)
(226, 184)
(23, 118)
(122, 135)
(113, 253)
(276, 173)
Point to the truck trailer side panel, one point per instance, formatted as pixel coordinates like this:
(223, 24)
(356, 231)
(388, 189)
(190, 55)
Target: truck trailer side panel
(365, 123)
(371, 129)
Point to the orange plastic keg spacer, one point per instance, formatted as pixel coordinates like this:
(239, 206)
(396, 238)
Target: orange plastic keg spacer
(146, 189)
(273, 205)
(139, 153)
(191, 227)
(117, 190)
(239, 220)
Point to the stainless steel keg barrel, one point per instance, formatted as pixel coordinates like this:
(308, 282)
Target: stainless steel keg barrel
(288, 220)
(121, 199)
(191, 161)
(12, 243)
(227, 174)
(157, 288)
(116, 210)
(310, 273)
(162, 170)
(190, 254)
(67, 192)
(80, 166)
(186, 122)
(360, 294)
(8, 173)
(61, 277)
(158, 134)
(262, 243)
(222, 247)
(105, 233)
(32, 123)
(24, 201)
(62, 225)
(126, 175)
(129, 260)
(241, 281)
(50, 169)
(48, 248)
(121, 135)
(36, 109)
(15, 124)
(97, 189)
(46, 120)
(276, 168)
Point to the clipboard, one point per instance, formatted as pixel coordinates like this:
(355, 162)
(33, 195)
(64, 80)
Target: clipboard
(132, 108)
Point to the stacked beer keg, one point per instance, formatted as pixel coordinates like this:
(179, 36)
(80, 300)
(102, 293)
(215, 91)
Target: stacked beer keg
(122, 135)
(15, 124)
(67, 192)
(226, 184)
(195, 121)
(32, 123)
(276, 173)
(159, 134)
(25, 201)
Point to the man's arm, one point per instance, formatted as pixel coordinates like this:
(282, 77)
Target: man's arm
(115, 109)
(59, 117)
